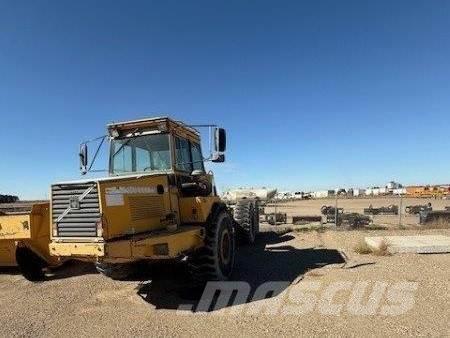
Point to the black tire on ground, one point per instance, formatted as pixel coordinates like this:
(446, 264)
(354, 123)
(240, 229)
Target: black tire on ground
(114, 271)
(246, 214)
(215, 261)
(30, 264)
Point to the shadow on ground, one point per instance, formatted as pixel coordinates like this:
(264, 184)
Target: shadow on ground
(270, 259)
(9, 270)
(67, 270)
(72, 269)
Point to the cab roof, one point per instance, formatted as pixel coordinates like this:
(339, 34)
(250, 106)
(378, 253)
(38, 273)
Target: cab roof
(162, 124)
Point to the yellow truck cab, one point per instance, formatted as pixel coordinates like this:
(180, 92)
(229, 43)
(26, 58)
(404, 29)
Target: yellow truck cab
(157, 203)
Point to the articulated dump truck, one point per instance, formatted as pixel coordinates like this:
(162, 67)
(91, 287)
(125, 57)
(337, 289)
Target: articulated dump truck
(25, 239)
(158, 202)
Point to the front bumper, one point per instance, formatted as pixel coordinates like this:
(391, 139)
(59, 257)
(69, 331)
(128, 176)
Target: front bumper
(77, 249)
(160, 245)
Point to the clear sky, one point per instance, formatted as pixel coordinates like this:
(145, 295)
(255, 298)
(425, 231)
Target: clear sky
(314, 94)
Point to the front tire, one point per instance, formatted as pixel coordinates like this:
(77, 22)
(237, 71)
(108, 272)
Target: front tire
(215, 261)
(30, 264)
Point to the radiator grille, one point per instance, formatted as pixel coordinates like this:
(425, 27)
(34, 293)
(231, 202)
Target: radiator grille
(144, 207)
(80, 221)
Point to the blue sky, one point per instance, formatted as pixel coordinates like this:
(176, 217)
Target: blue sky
(314, 94)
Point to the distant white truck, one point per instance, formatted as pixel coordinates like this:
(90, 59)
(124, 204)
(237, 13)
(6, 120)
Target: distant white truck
(261, 194)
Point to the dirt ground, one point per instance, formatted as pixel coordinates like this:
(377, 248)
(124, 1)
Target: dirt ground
(77, 301)
(312, 207)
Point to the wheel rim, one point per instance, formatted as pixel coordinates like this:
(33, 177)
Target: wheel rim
(225, 247)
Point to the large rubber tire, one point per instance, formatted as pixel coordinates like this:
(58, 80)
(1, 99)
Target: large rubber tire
(215, 261)
(30, 264)
(114, 271)
(246, 215)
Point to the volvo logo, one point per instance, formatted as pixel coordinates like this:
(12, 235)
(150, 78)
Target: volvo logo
(74, 203)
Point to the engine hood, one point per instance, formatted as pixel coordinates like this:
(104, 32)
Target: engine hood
(113, 178)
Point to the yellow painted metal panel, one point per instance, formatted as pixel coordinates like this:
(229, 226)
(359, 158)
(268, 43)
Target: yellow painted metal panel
(77, 249)
(196, 209)
(40, 233)
(15, 227)
(146, 247)
(30, 229)
(7, 253)
(134, 206)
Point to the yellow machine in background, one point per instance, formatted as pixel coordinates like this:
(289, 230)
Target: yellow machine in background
(24, 240)
(157, 203)
(428, 191)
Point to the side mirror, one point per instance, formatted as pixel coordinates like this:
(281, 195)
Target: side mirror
(83, 158)
(220, 140)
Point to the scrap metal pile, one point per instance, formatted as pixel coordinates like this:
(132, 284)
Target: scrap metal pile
(435, 217)
(417, 209)
(276, 218)
(389, 210)
(330, 213)
(350, 219)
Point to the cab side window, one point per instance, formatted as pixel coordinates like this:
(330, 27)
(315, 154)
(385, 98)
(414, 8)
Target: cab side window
(197, 158)
(183, 155)
(188, 155)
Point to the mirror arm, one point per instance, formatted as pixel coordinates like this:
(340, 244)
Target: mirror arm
(97, 151)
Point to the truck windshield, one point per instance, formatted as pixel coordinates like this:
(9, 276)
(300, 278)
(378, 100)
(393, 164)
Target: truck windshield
(140, 154)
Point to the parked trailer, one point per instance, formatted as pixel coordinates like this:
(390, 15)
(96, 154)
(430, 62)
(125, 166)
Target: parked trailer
(25, 239)
(263, 195)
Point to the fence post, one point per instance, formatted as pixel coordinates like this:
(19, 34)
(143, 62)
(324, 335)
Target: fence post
(336, 211)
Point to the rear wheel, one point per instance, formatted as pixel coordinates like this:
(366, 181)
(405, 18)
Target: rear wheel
(246, 214)
(215, 261)
(30, 264)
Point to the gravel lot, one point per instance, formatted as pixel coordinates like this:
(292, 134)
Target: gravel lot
(79, 302)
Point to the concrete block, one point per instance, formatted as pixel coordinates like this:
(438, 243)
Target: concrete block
(412, 244)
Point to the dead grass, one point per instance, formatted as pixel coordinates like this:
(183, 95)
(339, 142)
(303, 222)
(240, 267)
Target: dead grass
(382, 250)
(363, 248)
